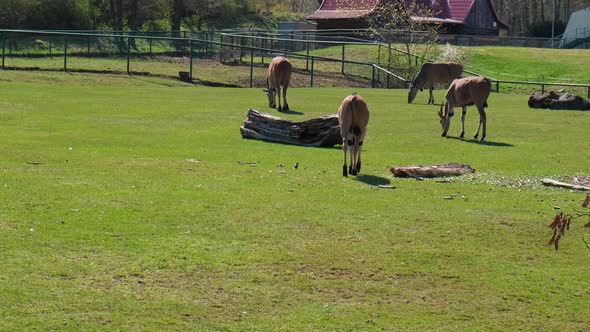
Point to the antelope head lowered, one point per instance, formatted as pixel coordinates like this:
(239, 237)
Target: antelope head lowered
(277, 77)
(353, 116)
(432, 73)
(462, 93)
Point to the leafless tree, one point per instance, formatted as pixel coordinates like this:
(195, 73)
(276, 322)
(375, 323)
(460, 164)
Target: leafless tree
(408, 23)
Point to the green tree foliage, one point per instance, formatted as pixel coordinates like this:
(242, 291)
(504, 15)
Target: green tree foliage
(17, 14)
(141, 14)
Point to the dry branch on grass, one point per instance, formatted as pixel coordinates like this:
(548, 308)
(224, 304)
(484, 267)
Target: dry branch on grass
(323, 131)
(562, 221)
(430, 171)
(555, 183)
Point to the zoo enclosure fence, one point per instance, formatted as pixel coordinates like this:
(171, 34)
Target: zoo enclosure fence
(237, 48)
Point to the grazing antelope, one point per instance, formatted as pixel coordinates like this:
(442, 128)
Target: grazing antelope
(462, 93)
(432, 73)
(279, 74)
(353, 116)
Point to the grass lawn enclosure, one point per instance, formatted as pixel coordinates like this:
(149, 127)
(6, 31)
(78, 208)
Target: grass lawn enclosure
(133, 203)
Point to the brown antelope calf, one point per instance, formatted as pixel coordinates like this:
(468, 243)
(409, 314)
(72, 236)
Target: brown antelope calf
(353, 116)
(462, 93)
(432, 73)
(279, 74)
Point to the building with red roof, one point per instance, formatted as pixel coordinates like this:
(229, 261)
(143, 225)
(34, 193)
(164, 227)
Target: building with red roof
(456, 16)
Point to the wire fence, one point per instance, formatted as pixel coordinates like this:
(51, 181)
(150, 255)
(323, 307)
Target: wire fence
(160, 53)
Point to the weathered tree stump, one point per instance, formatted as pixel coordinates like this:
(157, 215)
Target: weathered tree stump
(184, 76)
(431, 171)
(323, 131)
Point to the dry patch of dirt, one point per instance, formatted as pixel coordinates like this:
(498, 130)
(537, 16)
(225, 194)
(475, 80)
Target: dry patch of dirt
(521, 183)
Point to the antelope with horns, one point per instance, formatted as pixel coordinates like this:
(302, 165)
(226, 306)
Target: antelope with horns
(432, 73)
(462, 93)
(278, 76)
(353, 116)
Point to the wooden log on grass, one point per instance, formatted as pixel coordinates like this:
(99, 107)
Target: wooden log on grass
(323, 131)
(555, 183)
(431, 171)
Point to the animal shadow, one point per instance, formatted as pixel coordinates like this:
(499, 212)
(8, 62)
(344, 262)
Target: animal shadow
(478, 142)
(291, 112)
(372, 180)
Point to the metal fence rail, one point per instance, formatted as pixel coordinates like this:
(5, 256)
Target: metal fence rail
(241, 48)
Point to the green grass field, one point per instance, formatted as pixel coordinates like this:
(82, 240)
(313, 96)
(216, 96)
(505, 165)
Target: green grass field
(499, 63)
(129, 203)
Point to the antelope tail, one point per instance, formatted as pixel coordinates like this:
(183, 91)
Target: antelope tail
(355, 128)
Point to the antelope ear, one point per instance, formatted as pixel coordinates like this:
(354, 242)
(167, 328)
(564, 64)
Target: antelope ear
(421, 89)
(265, 90)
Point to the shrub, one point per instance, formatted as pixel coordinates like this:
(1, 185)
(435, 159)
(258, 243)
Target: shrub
(452, 53)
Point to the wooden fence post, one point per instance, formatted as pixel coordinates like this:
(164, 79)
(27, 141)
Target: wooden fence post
(220, 48)
(190, 68)
(251, 65)
(128, 56)
(389, 56)
(241, 48)
(312, 61)
(307, 55)
(4, 51)
(342, 70)
(65, 54)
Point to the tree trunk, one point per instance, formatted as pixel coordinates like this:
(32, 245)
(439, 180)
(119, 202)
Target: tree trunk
(117, 21)
(117, 14)
(133, 19)
(178, 10)
(324, 131)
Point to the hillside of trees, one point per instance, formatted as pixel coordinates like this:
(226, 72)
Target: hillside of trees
(527, 17)
(149, 14)
(533, 17)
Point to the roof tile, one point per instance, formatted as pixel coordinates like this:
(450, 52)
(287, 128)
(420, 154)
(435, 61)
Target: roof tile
(448, 10)
(460, 9)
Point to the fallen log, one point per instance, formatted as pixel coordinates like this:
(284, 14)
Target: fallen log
(323, 131)
(430, 171)
(537, 100)
(555, 183)
(552, 100)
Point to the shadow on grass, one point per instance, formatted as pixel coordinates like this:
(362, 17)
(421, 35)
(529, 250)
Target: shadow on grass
(291, 112)
(148, 80)
(478, 142)
(335, 147)
(372, 180)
